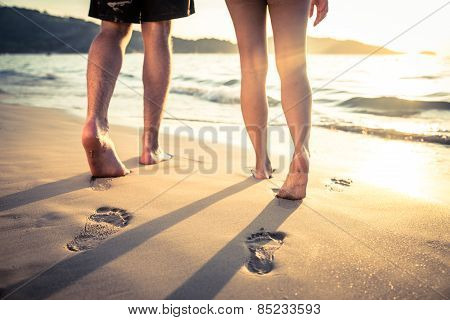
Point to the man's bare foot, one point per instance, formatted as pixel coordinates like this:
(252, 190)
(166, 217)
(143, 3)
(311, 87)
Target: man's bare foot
(101, 153)
(263, 171)
(294, 187)
(149, 157)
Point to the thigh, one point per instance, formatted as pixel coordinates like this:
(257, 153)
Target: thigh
(289, 23)
(125, 11)
(249, 19)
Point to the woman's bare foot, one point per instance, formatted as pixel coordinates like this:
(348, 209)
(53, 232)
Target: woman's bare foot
(294, 187)
(149, 156)
(263, 170)
(101, 153)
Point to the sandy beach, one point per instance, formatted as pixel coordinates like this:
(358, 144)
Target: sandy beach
(188, 232)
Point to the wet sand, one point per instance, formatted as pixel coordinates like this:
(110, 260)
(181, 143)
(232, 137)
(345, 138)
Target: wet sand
(176, 231)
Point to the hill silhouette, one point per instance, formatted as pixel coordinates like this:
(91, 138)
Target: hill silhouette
(31, 31)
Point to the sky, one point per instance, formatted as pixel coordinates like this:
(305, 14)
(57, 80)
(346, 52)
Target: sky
(368, 21)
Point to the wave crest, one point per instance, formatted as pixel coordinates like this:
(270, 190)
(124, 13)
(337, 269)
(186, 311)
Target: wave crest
(442, 138)
(221, 95)
(4, 74)
(393, 107)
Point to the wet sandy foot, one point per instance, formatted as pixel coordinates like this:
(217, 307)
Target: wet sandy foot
(263, 175)
(262, 246)
(294, 187)
(101, 154)
(101, 225)
(154, 157)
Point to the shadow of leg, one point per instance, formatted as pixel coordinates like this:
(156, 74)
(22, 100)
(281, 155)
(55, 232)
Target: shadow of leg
(67, 272)
(214, 275)
(52, 189)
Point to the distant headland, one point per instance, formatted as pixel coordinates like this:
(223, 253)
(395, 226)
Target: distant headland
(31, 31)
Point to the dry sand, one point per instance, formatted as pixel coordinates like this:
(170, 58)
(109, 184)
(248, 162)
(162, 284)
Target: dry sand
(188, 235)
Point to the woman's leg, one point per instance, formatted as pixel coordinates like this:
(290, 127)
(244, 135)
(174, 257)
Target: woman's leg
(289, 22)
(249, 18)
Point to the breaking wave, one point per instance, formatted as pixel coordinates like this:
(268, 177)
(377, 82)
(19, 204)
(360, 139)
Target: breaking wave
(393, 107)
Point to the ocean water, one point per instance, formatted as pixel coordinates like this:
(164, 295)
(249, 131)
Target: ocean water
(395, 96)
(386, 119)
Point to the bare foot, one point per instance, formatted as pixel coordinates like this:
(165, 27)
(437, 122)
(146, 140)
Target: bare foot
(101, 154)
(294, 187)
(150, 157)
(263, 171)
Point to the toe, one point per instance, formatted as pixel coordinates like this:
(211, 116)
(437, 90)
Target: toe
(283, 194)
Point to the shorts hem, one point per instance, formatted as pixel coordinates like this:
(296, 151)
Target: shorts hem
(156, 18)
(112, 19)
(167, 16)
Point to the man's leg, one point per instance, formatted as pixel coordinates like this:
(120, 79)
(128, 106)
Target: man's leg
(156, 78)
(105, 60)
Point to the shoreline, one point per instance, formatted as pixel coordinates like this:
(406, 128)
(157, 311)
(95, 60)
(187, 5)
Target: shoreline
(187, 234)
(196, 94)
(348, 150)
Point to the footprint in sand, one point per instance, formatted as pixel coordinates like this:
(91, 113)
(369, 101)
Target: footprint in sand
(100, 225)
(336, 184)
(262, 246)
(100, 184)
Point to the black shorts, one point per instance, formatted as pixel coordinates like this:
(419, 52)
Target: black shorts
(137, 11)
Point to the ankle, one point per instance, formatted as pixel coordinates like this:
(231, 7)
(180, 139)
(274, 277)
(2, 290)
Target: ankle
(150, 144)
(150, 138)
(300, 161)
(263, 164)
(97, 123)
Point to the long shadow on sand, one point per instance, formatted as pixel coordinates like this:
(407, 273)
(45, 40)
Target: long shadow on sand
(215, 274)
(52, 189)
(44, 191)
(67, 272)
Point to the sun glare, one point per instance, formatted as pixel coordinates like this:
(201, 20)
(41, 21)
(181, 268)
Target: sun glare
(397, 166)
